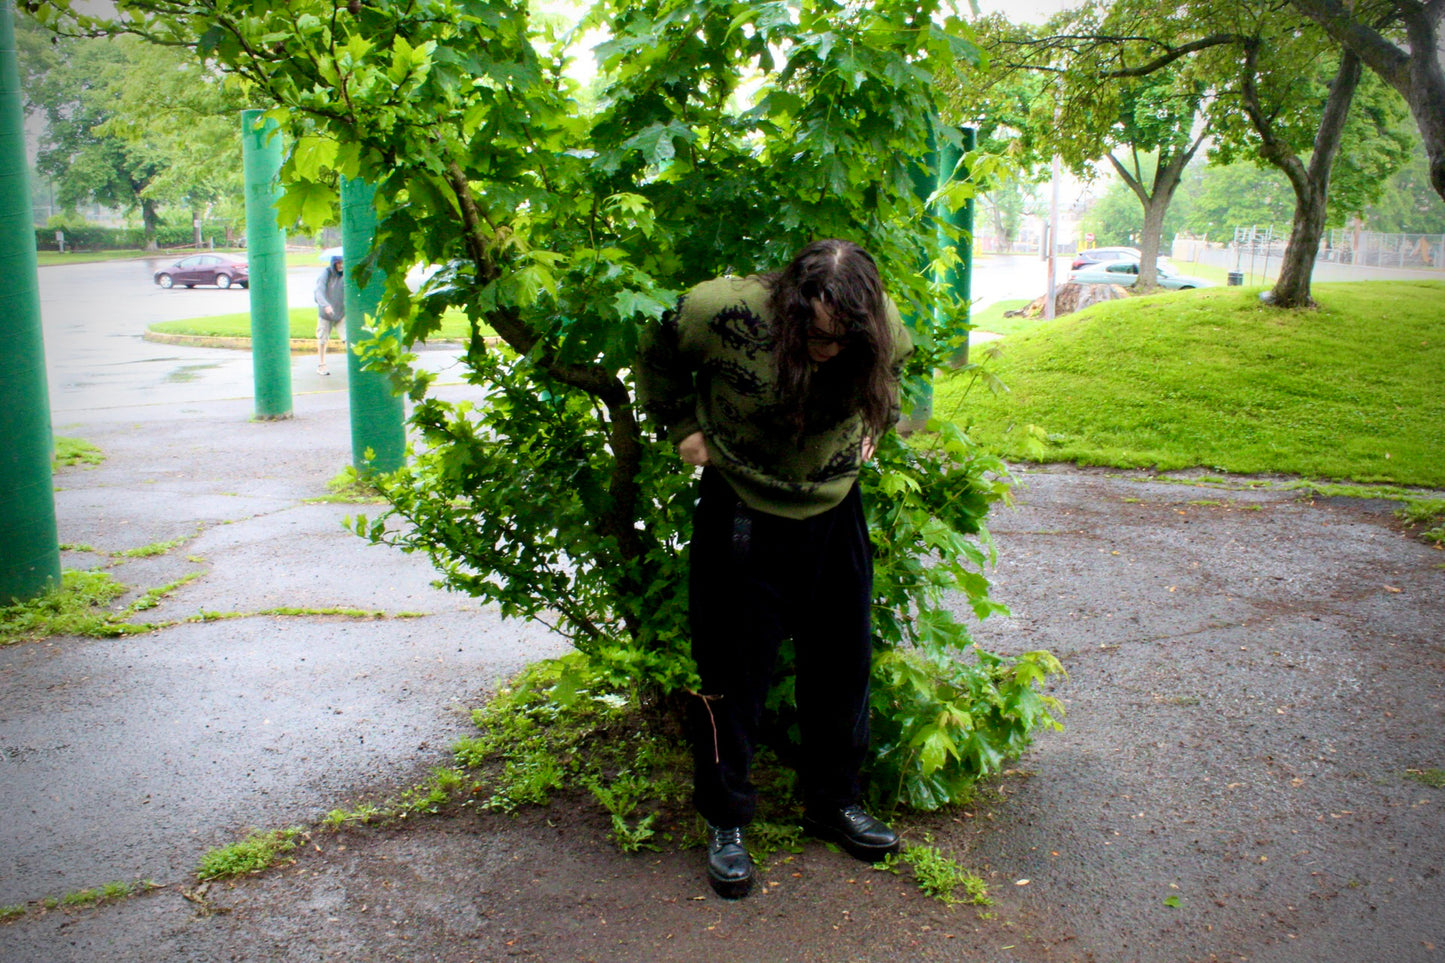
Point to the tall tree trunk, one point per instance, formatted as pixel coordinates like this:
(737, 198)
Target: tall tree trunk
(1168, 172)
(1417, 74)
(149, 220)
(1311, 183)
(1426, 95)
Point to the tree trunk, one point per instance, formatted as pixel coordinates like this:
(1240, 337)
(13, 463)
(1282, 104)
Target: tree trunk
(1311, 184)
(1154, 210)
(1418, 75)
(1168, 172)
(1292, 289)
(1426, 96)
(150, 221)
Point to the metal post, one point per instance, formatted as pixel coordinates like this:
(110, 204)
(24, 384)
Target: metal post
(378, 432)
(1051, 252)
(266, 255)
(959, 278)
(926, 177)
(29, 545)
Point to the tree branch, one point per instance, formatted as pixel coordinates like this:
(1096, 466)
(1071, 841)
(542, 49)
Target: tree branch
(1173, 54)
(1379, 54)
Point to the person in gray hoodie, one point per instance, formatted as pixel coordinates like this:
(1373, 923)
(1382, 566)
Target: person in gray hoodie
(330, 309)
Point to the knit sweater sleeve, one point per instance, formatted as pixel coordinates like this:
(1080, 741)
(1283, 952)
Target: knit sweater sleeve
(666, 375)
(902, 351)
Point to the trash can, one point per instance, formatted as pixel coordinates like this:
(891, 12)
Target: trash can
(1236, 278)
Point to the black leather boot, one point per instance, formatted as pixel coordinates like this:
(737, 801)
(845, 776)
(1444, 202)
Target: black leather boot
(729, 867)
(863, 836)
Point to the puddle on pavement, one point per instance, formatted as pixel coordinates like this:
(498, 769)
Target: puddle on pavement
(189, 372)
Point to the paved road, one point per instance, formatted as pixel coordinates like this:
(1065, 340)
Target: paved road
(95, 318)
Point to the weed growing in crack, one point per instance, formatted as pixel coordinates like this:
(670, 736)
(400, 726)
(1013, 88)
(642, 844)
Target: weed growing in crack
(258, 851)
(90, 897)
(939, 875)
(150, 598)
(154, 549)
(349, 487)
(76, 607)
(1434, 778)
(443, 788)
(70, 452)
(79, 899)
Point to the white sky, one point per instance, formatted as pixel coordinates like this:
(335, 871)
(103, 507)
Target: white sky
(1028, 11)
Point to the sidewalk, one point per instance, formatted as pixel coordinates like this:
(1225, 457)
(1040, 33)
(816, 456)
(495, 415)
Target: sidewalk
(1255, 680)
(126, 759)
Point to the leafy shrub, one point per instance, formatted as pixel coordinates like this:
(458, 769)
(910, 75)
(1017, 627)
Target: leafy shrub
(562, 227)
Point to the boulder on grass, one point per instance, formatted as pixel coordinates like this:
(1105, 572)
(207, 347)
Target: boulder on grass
(1071, 297)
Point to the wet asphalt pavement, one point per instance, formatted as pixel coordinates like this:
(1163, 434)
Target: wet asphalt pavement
(124, 759)
(1256, 690)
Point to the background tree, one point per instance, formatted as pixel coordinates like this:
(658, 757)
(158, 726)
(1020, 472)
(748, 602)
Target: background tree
(188, 114)
(1116, 217)
(1259, 66)
(1408, 204)
(727, 134)
(65, 81)
(1297, 91)
(1217, 198)
(130, 125)
(1084, 107)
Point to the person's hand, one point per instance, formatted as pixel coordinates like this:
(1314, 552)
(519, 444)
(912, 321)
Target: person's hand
(327, 310)
(868, 449)
(693, 450)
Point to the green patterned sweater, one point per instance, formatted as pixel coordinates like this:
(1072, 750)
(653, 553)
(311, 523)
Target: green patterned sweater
(707, 366)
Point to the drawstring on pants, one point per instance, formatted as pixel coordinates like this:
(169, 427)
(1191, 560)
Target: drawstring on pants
(707, 701)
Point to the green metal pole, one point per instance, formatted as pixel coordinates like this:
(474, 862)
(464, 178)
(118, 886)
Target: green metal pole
(266, 255)
(926, 178)
(959, 278)
(29, 545)
(378, 433)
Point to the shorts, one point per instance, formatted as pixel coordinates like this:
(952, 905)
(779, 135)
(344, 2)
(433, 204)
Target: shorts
(325, 325)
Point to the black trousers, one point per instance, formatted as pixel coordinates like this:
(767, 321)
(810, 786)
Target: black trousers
(756, 579)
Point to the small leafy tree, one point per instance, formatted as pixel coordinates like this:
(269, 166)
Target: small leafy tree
(725, 135)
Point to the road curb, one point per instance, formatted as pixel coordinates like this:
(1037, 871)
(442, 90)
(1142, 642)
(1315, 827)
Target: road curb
(298, 345)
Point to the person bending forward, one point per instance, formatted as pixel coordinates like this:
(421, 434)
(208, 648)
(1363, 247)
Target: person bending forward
(778, 386)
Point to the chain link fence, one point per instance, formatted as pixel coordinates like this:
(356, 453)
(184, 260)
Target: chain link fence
(1347, 246)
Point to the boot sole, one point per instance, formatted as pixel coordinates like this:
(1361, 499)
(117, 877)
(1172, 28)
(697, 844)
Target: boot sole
(731, 888)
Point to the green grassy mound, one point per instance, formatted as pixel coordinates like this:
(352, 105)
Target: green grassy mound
(1216, 379)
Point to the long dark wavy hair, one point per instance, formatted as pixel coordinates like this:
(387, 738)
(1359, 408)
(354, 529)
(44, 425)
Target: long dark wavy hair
(845, 278)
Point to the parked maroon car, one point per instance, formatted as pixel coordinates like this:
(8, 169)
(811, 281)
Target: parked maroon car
(222, 270)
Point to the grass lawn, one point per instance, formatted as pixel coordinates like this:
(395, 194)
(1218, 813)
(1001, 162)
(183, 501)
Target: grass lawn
(992, 320)
(303, 325)
(45, 258)
(1215, 379)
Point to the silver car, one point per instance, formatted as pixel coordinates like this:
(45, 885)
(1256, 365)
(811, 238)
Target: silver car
(1125, 273)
